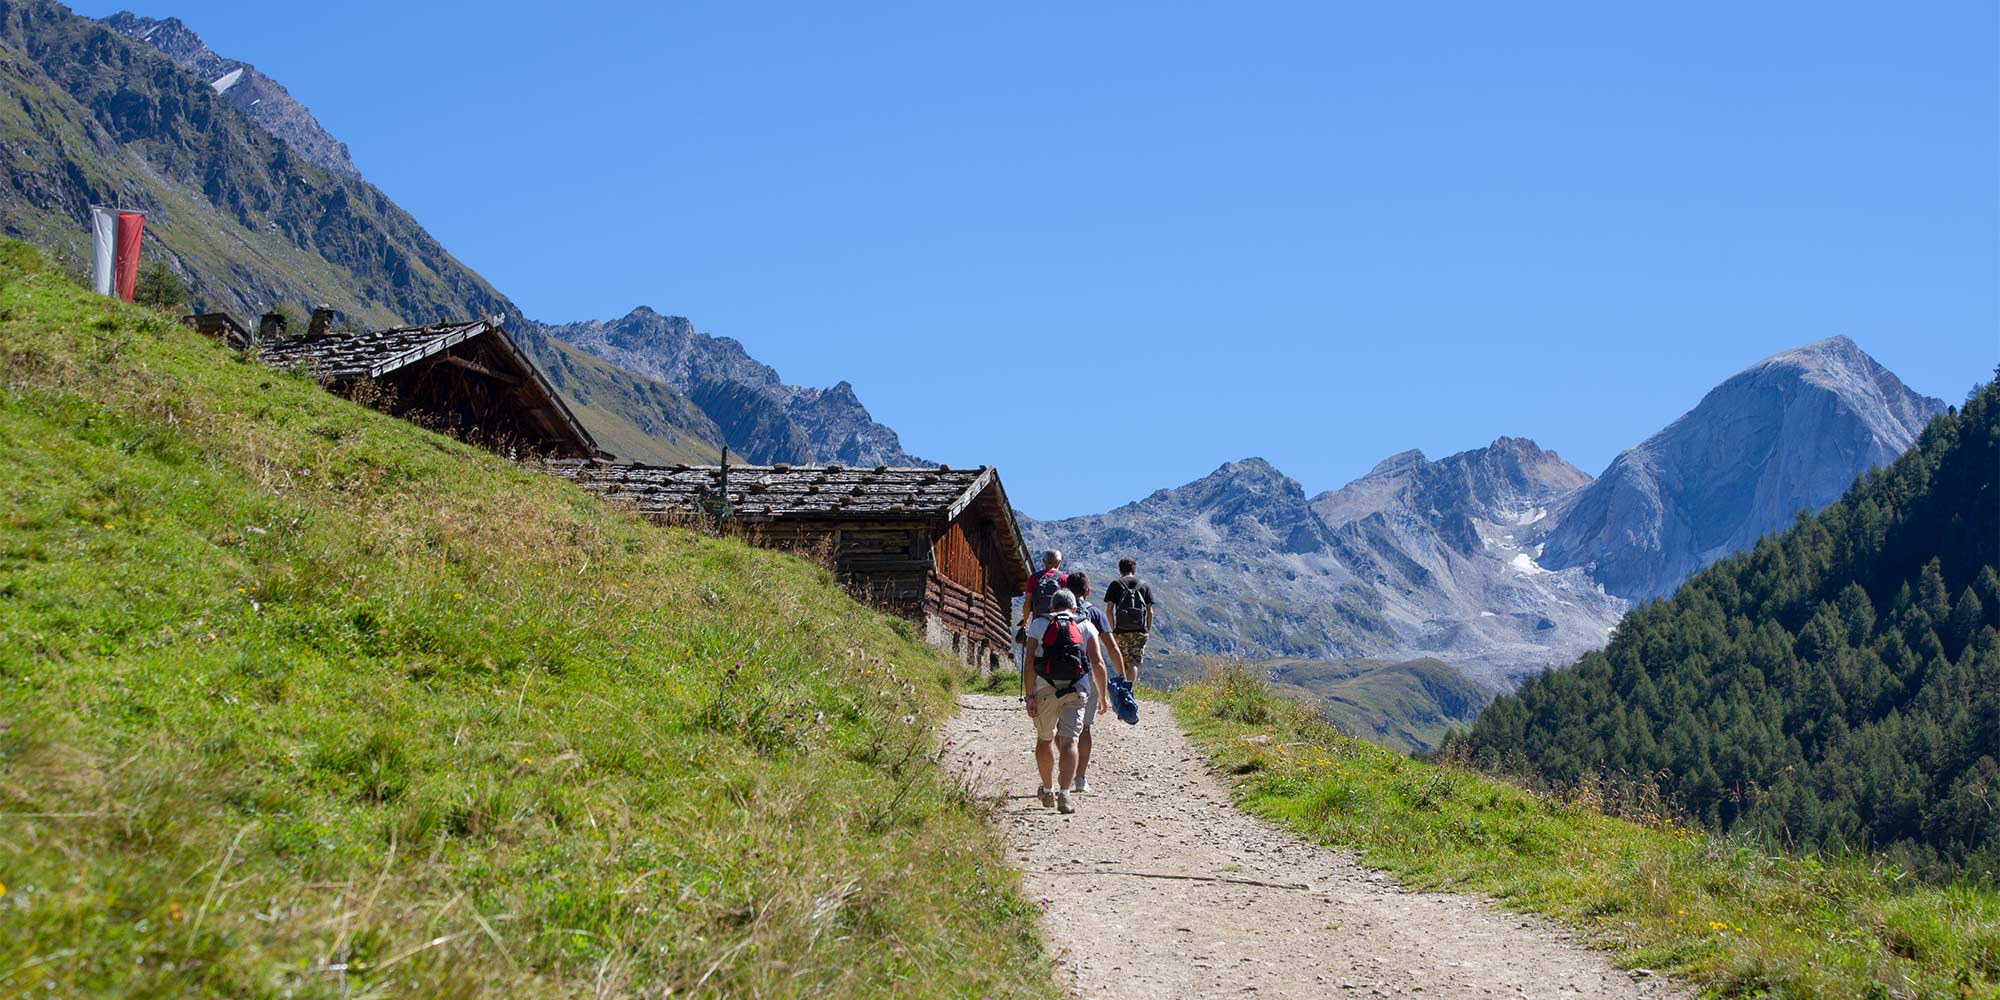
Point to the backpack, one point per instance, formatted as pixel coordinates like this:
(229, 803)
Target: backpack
(1129, 614)
(1061, 658)
(1047, 583)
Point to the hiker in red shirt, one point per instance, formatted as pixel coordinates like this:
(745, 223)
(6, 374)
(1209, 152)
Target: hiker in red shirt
(1042, 588)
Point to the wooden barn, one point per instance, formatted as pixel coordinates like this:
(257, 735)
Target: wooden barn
(467, 379)
(938, 546)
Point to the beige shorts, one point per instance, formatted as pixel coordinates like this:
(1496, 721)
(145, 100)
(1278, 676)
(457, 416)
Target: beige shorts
(1059, 716)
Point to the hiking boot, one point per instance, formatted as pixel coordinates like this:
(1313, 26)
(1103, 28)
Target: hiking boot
(1048, 797)
(1082, 787)
(1063, 804)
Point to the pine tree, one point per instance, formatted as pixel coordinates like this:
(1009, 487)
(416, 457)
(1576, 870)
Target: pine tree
(159, 287)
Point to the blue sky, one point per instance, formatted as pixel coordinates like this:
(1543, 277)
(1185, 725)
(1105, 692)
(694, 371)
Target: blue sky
(1312, 232)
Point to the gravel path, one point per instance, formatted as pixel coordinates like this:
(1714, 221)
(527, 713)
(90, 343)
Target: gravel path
(1158, 887)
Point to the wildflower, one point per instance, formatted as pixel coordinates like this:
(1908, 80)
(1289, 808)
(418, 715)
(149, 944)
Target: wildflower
(458, 597)
(107, 527)
(174, 910)
(908, 719)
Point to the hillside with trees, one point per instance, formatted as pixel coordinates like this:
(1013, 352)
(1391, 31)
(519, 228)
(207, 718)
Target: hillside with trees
(1836, 687)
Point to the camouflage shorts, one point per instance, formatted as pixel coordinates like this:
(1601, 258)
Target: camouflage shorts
(1131, 646)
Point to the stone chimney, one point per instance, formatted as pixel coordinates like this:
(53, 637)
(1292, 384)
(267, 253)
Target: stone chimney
(321, 322)
(271, 327)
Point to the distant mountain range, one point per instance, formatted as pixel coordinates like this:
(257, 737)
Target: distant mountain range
(1503, 560)
(257, 207)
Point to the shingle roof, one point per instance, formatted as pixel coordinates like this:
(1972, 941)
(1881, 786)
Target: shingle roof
(352, 356)
(773, 493)
(777, 492)
(370, 354)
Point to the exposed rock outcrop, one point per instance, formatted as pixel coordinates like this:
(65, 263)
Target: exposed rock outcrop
(1786, 435)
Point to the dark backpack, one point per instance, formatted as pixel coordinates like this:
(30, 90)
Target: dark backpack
(1129, 614)
(1047, 583)
(1061, 658)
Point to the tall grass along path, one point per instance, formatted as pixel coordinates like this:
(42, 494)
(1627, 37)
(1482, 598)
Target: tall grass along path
(1158, 887)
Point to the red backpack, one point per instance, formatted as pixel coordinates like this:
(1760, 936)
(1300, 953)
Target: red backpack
(1061, 658)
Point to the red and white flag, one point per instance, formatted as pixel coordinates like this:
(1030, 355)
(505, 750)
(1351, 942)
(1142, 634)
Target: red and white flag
(114, 245)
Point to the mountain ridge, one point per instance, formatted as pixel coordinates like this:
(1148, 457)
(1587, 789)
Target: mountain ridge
(1453, 558)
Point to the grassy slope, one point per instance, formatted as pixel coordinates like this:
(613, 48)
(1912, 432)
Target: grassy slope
(298, 699)
(1665, 897)
(1405, 705)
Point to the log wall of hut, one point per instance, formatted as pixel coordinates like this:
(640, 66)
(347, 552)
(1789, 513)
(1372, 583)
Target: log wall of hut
(966, 593)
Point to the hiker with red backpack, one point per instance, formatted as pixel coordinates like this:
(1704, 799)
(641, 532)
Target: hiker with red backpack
(1042, 588)
(1062, 657)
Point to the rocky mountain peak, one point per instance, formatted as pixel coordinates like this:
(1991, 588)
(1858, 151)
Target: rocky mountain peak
(261, 99)
(1510, 479)
(759, 415)
(1244, 479)
(1788, 433)
(1398, 464)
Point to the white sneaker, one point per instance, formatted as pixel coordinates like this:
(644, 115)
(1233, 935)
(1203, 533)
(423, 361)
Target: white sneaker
(1082, 787)
(1048, 797)
(1063, 804)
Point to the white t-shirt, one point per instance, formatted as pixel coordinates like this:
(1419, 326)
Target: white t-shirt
(1040, 627)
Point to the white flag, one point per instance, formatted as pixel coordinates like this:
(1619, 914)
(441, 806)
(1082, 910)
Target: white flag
(103, 247)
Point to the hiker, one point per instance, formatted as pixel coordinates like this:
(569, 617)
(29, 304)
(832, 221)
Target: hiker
(1062, 657)
(1042, 588)
(1079, 585)
(1131, 604)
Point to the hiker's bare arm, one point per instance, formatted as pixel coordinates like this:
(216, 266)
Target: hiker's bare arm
(1097, 664)
(1116, 655)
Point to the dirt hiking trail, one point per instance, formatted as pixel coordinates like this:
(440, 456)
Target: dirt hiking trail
(1157, 887)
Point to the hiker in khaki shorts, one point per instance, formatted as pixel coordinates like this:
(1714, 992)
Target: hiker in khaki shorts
(1061, 659)
(1130, 604)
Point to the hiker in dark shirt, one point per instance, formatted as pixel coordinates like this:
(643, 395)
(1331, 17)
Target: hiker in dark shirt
(1131, 607)
(1079, 584)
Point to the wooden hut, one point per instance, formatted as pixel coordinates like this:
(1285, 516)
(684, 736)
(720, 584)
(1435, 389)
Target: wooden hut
(938, 546)
(468, 379)
(221, 326)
